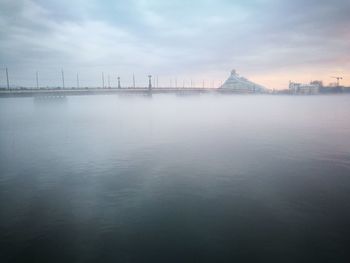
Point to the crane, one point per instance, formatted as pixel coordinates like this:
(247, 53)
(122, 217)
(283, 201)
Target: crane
(337, 78)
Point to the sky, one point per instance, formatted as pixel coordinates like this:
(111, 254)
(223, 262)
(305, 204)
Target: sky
(268, 41)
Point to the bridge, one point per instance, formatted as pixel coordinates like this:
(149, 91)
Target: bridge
(59, 92)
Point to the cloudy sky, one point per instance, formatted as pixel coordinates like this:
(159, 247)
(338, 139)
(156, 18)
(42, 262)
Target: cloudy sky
(267, 41)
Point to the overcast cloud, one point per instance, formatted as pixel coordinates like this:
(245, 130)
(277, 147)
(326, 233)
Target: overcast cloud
(268, 41)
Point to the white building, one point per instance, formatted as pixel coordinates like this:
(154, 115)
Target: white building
(298, 88)
(240, 84)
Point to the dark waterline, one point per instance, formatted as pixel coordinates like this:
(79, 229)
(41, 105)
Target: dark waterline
(173, 179)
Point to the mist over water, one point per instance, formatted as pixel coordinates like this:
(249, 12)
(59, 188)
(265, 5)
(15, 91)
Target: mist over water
(175, 179)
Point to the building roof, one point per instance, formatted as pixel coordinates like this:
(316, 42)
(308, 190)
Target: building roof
(241, 84)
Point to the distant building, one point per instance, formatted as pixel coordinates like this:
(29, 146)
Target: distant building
(317, 82)
(236, 83)
(332, 88)
(299, 88)
(333, 85)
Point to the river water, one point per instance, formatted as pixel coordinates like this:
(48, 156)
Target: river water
(242, 178)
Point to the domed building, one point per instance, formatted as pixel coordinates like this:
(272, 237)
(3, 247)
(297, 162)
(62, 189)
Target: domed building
(236, 83)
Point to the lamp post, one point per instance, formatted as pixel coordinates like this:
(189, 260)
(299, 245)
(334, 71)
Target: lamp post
(149, 82)
(119, 87)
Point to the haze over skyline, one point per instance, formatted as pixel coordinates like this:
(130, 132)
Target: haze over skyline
(268, 41)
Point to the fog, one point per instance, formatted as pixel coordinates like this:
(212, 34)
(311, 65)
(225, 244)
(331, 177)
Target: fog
(127, 121)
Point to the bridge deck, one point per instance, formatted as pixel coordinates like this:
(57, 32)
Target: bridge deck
(99, 91)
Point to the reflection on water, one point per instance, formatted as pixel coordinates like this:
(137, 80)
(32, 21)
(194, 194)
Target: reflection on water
(174, 179)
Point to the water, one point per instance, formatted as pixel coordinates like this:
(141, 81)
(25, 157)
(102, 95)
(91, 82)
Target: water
(175, 179)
